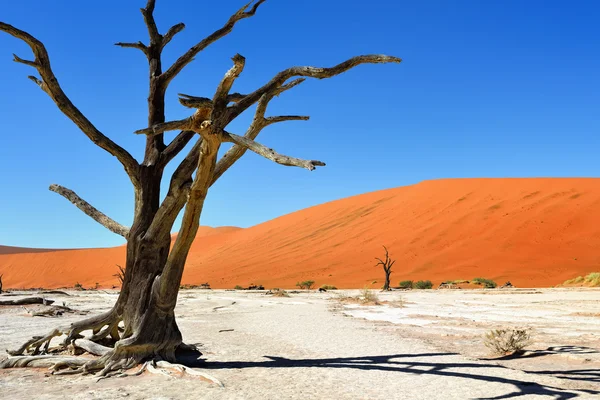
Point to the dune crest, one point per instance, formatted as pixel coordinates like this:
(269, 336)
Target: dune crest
(534, 232)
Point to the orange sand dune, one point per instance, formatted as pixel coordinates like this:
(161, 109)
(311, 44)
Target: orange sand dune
(534, 232)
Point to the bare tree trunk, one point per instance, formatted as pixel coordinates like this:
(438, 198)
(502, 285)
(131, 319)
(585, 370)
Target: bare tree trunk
(141, 325)
(386, 284)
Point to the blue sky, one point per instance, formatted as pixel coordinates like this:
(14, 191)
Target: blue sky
(486, 89)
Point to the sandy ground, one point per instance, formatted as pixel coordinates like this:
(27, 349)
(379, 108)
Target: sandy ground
(534, 232)
(310, 346)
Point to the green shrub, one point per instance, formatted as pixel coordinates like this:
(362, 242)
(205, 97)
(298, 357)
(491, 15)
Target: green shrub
(406, 285)
(593, 279)
(423, 284)
(487, 283)
(78, 286)
(305, 284)
(328, 287)
(238, 287)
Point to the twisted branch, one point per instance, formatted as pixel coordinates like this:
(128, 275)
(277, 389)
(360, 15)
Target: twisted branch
(311, 72)
(50, 85)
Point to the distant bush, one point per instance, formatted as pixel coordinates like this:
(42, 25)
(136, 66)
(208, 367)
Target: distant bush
(406, 284)
(423, 284)
(238, 287)
(573, 281)
(507, 341)
(592, 279)
(78, 286)
(305, 284)
(276, 292)
(328, 287)
(487, 283)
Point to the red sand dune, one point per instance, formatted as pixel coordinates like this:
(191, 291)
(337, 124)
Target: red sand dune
(534, 232)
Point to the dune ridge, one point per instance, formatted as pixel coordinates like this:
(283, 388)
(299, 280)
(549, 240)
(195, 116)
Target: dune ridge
(535, 232)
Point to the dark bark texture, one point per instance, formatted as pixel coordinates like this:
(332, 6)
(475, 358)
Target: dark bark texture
(141, 326)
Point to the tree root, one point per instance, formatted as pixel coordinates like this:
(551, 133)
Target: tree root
(127, 353)
(166, 368)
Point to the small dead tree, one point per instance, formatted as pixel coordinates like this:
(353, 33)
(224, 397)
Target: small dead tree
(120, 275)
(1, 282)
(154, 268)
(387, 268)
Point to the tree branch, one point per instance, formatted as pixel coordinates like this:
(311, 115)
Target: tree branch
(50, 85)
(90, 210)
(282, 118)
(179, 186)
(139, 45)
(174, 30)
(175, 147)
(311, 72)
(194, 102)
(147, 12)
(221, 97)
(271, 154)
(157, 129)
(258, 123)
(186, 58)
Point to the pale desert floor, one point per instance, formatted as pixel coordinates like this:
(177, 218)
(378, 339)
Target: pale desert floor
(309, 346)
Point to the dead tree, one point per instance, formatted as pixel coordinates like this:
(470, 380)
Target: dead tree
(1, 282)
(153, 269)
(387, 268)
(120, 275)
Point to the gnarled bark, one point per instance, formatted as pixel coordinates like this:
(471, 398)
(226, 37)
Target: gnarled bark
(141, 326)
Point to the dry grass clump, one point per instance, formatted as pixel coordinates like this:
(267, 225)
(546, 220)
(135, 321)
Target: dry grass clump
(592, 279)
(507, 341)
(367, 297)
(276, 292)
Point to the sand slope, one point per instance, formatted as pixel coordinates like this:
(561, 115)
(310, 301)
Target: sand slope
(533, 232)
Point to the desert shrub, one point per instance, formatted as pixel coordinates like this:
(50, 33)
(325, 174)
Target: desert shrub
(328, 287)
(507, 341)
(406, 284)
(579, 279)
(369, 296)
(593, 279)
(276, 292)
(238, 287)
(305, 284)
(487, 283)
(78, 286)
(423, 284)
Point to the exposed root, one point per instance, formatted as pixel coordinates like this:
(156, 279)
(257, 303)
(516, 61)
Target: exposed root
(33, 345)
(45, 361)
(92, 347)
(165, 368)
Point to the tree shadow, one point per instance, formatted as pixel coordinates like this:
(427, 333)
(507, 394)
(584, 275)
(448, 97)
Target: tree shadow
(586, 375)
(549, 351)
(401, 363)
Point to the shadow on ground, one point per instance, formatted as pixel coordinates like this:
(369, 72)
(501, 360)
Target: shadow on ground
(550, 351)
(405, 363)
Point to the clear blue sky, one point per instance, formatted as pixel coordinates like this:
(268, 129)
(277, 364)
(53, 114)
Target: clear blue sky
(486, 89)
